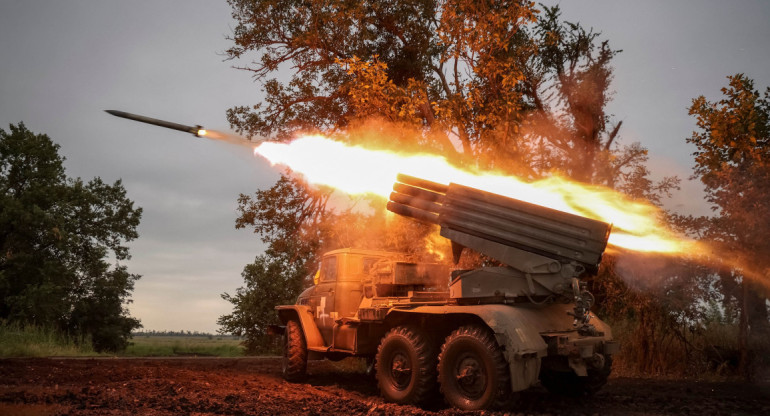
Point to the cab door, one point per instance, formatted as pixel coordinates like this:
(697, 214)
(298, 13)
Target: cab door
(325, 312)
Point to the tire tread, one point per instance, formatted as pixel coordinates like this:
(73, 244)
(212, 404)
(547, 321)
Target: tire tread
(484, 336)
(295, 352)
(427, 361)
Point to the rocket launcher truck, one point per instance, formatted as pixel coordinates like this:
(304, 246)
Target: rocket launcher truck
(476, 335)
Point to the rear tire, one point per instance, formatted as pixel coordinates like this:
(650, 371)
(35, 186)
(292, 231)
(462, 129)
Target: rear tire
(472, 371)
(294, 352)
(406, 366)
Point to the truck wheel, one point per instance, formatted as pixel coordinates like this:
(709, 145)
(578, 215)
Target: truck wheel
(472, 371)
(406, 366)
(294, 352)
(567, 383)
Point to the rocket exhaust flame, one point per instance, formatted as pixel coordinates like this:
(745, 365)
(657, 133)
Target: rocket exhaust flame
(358, 170)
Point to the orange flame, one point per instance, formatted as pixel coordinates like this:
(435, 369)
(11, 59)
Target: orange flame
(357, 170)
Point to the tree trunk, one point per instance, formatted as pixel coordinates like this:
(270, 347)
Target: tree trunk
(756, 305)
(743, 333)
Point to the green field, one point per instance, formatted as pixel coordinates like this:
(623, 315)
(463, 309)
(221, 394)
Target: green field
(170, 346)
(33, 341)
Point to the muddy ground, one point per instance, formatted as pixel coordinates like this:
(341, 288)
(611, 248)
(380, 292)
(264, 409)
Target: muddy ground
(253, 386)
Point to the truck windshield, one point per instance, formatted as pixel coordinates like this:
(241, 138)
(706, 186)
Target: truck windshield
(329, 269)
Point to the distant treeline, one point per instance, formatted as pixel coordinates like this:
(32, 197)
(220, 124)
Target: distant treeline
(182, 333)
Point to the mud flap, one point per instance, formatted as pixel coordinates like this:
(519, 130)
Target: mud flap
(313, 336)
(523, 346)
(525, 370)
(578, 365)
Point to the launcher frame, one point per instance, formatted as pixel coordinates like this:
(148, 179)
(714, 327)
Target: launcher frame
(544, 252)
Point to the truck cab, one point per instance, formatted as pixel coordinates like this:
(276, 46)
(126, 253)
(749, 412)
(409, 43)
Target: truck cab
(338, 290)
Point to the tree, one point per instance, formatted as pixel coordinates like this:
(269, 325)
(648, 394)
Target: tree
(515, 88)
(437, 63)
(732, 160)
(518, 89)
(55, 236)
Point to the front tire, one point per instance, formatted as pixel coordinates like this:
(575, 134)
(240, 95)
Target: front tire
(406, 366)
(294, 352)
(472, 371)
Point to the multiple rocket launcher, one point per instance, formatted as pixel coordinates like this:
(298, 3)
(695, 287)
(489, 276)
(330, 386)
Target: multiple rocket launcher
(515, 317)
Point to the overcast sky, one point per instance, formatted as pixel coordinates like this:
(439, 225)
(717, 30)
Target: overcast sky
(63, 62)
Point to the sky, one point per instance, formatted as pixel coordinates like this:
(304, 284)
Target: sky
(63, 62)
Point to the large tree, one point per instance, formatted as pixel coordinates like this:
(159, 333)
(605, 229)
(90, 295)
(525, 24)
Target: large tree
(496, 85)
(732, 160)
(56, 236)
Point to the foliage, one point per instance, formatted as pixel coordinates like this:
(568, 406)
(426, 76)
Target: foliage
(56, 234)
(732, 160)
(733, 147)
(661, 311)
(685, 317)
(517, 88)
(688, 317)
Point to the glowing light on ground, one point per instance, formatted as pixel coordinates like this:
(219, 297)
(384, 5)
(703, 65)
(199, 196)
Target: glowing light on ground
(357, 170)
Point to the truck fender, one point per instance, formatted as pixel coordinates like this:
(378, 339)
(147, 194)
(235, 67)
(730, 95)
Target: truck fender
(304, 315)
(514, 330)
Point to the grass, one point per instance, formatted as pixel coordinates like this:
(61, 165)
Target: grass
(170, 346)
(33, 341)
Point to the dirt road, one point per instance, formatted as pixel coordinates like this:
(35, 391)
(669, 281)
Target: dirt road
(253, 386)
